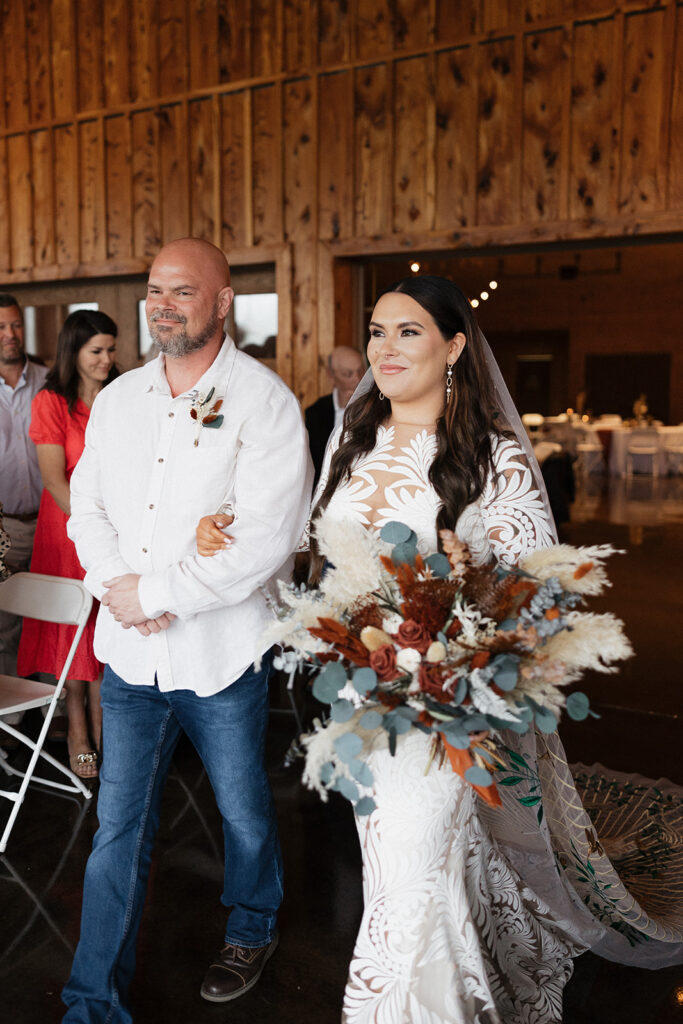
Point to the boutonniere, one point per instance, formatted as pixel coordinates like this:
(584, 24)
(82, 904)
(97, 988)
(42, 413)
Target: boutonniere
(204, 414)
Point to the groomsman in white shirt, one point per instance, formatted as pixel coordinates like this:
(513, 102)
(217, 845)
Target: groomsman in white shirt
(166, 444)
(20, 481)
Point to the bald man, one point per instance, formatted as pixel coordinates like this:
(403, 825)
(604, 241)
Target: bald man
(202, 425)
(345, 368)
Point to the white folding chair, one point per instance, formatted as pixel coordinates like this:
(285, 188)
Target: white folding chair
(643, 444)
(50, 599)
(589, 452)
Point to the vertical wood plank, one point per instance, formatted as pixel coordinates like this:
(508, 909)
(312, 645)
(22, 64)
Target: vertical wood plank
(498, 15)
(146, 214)
(373, 28)
(67, 228)
(267, 164)
(676, 156)
(91, 155)
(63, 57)
(174, 154)
(335, 164)
(299, 161)
(545, 58)
(455, 21)
(373, 156)
(643, 181)
(20, 204)
(144, 56)
(13, 37)
(38, 61)
(203, 25)
(411, 25)
(4, 210)
(173, 34)
(595, 125)
(498, 157)
(117, 54)
(334, 31)
(296, 35)
(265, 38)
(43, 197)
(233, 175)
(234, 39)
(89, 56)
(411, 152)
(456, 138)
(202, 169)
(119, 187)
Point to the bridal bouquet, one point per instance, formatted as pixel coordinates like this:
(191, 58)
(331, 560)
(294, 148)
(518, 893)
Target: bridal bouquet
(398, 641)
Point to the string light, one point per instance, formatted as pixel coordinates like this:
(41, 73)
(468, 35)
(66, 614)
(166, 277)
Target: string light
(493, 285)
(484, 296)
(474, 303)
(415, 267)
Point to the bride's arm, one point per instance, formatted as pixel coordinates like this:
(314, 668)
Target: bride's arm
(209, 532)
(512, 509)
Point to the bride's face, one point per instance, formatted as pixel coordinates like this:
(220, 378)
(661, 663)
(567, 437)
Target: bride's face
(407, 351)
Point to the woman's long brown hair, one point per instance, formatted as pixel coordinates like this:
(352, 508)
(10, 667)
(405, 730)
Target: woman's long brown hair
(463, 431)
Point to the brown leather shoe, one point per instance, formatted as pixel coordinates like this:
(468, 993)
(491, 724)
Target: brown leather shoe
(234, 971)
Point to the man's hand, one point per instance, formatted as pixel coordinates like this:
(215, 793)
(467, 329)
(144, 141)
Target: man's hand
(150, 626)
(123, 602)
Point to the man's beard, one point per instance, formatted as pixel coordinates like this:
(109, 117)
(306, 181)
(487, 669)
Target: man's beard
(180, 344)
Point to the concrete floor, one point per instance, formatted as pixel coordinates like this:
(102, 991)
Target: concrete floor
(41, 875)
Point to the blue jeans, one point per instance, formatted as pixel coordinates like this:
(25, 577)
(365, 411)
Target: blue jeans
(141, 729)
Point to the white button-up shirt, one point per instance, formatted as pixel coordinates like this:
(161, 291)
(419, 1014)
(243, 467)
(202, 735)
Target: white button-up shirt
(141, 487)
(20, 482)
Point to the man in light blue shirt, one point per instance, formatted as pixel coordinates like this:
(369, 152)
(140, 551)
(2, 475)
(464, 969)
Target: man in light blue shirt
(20, 480)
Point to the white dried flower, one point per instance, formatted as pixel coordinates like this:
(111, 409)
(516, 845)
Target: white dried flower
(436, 652)
(392, 623)
(409, 659)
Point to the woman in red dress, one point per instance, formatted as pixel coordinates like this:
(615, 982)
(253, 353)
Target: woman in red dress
(59, 415)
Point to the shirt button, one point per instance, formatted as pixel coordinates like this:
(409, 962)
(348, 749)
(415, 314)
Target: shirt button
(144, 551)
(171, 415)
(160, 460)
(151, 506)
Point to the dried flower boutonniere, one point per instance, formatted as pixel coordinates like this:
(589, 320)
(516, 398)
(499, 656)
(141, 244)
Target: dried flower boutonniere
(205, 415)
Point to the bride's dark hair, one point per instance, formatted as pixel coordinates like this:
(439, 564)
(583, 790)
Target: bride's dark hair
(463, 455)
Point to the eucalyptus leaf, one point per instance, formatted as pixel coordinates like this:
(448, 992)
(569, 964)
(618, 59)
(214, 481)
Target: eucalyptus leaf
(508, 625)
(395, 533)
(392, 742)
(546, 721)
(348, 746)
(364, 680)
(325, 689)
(366, 805)
(342, 711)
(404, 553)
(439, 565)
(478, 776)
(456, 736)
(214, 423)
(361, 772)
(396, 723)
(347, 788)
(506, 669)
(460, 691)
(578, 706)
(370, 720)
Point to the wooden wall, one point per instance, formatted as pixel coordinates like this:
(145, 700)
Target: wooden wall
(331, 127)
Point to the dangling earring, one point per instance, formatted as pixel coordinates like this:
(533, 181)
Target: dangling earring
(449, 381)
(381, 397)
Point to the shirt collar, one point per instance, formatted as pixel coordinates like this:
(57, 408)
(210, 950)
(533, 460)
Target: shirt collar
(335, 400)
(216, 376)
(22, 379)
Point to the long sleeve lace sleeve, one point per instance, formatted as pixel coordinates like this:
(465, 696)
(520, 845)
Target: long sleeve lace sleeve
(332, 445)
(511, 506)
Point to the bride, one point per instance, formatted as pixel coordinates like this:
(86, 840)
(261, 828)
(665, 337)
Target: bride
(471, 914)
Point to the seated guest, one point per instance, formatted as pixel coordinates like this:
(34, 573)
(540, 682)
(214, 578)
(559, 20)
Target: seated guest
(345, 367)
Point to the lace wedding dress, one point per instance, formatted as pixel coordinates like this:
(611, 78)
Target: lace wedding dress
(472, 914)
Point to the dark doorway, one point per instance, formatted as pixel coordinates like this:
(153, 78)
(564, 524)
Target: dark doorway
(614, 382)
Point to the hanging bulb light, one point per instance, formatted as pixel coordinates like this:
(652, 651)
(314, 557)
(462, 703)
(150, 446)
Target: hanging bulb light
(493, 285)
(474, 303)
(415, 267)
(484, 296)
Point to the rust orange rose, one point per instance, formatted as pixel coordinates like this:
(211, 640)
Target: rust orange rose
(431, 682)
(383, 661)
(412, 634)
